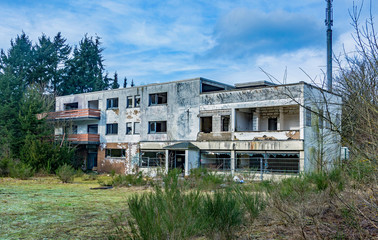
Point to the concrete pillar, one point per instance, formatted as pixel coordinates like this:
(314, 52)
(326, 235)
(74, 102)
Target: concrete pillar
(233, 162)
(233, 120)
(217, 123)
(281, 122)
(301, 161)
(302, 123)
(166, 161)
(186, 162)
(257, 119)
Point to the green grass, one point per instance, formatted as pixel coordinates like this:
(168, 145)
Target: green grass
(42, 208)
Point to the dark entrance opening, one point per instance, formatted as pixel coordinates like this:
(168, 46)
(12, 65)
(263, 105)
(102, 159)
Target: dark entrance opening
(92, 157)
(176, 160)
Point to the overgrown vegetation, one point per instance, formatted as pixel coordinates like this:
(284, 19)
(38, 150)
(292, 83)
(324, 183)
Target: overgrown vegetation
(66, 173)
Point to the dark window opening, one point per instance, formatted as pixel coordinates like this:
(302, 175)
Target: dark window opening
(157, 127)
(206, 124)
(129, 102)
(216, 160)
(129, 128)
(93, 129)
(225, 123)
(112, 128)
(71, 129)
(272, 124)
(158, 98)
(71, 106)
(93, 104)
(112, 103)
(137, 101)
(115, 153)
(210, 88)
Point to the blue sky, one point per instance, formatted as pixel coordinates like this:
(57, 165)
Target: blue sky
(158, 41)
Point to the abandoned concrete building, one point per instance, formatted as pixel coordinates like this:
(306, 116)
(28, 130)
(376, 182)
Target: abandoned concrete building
(202, 123)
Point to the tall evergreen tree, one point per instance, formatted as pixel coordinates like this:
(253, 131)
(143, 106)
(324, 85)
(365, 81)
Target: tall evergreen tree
(85, 69)
(115, 84)
(125, 82)
(132, 83)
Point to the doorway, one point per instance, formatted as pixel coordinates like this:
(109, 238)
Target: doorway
(91, 157)
(176, 160)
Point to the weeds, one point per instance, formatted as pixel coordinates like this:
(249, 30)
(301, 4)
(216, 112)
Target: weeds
(66, 173)
(128, 180)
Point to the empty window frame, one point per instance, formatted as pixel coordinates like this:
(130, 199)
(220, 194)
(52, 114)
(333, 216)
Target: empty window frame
(225, 123)
(129, 102)
(129, 128)
(112, 128)
(112, 103)
(71, 106)
(272, 124)
(308, 117)
(137, 101)
(93, 129)
(118, 153)
(157, 127)
(216, 161)
(136, 128)
(152, 159)
(206, 124)
(158, 98)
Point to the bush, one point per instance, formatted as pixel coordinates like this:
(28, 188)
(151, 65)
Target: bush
(21, 170)
(203, 179)
(222, 213)
(129, 180)
(253, 203)
(66, 173)
(5, 167)
(89, 177)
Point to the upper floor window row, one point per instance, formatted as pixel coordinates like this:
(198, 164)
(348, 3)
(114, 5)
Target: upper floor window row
(158, 98)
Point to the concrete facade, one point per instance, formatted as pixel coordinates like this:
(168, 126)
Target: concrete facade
(199, 122)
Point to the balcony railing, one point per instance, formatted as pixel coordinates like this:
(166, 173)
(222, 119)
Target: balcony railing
(81, 138)
(86, 113)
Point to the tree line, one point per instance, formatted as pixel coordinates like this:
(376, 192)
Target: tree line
(31, 76)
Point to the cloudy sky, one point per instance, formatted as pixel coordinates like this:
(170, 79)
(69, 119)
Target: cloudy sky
(157, 41)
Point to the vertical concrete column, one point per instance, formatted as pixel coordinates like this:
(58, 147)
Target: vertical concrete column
(233, 120)
(217, 123)
(186, 162)
(166, 161)
(233, 162)
(281, 122)
(302, 123)
(257, 119)
(301, 161)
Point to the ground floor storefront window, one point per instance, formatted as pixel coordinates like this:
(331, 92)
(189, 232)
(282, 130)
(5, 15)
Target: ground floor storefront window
(152, 159)
(217, 161)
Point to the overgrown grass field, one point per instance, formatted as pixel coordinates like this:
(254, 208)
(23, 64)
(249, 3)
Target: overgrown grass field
(44, 207)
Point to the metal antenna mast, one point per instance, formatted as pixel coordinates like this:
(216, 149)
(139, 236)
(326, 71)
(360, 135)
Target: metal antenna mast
(329, 24)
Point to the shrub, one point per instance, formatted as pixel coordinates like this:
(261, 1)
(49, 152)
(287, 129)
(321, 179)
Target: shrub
(222, 213)
(66, 173)
(5, 167)
(21, 170)
(89, 177)
(128, 180)
(253, 203)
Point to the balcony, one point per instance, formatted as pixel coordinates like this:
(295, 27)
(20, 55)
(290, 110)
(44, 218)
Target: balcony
(81, 138)
(77, 114)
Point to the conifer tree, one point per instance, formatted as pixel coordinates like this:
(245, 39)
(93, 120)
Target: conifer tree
(115, 84)
(125, 82)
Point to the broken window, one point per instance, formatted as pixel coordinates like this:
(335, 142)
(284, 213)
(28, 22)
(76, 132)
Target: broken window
(115, 152)
(272, 124)
(93, 129)
(112, 128)
(152, 159)
(71, 106)
(206, 124)
(225, 123)
(137, 101)
(112, 103)
(93, 104)
(308, 117)
(157, 127)
(158, 98)
(320, 119)
(216, 160)
(129, 102)
(129, 128)
(244, 120)
(136, 128)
